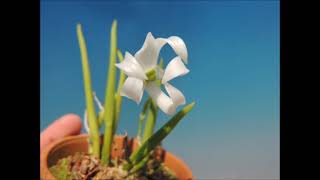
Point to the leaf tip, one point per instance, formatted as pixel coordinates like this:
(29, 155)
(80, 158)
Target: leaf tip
(190, 106)
(193, 103)
(78, 27)
(114, 24)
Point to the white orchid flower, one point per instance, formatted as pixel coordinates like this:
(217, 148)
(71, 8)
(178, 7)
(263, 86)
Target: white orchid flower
(142, 72)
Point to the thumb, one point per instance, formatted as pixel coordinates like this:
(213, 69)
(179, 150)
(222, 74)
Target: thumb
(66, 125)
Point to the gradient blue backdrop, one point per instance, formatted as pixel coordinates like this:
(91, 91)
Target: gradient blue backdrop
(233, 131)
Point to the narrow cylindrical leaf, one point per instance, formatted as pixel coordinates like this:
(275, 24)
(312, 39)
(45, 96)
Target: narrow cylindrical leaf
(118, 97)
(109, 98)
(93, 125)
(101, 118)
(157, 137)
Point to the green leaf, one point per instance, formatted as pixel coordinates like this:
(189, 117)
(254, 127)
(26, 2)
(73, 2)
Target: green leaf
(157, 137)
(118, 97)
(93, 125)
(140, 164)
(109, 98)
(101, 118)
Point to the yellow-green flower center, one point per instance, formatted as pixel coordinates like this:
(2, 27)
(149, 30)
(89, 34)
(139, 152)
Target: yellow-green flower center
(151, 75)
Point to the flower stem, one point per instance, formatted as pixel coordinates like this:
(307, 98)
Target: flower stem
(142, 117)
(151, 121)
(109, 98)
(93, 125)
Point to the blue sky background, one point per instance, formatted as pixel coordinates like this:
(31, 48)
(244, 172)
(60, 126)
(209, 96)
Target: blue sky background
(233, 131)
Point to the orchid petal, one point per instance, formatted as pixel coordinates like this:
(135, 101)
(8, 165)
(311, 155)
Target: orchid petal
(174, 69)
(175, 94)
(148, 55)
(177, 45)
(133, 89)
(164, 102)
(131, 67)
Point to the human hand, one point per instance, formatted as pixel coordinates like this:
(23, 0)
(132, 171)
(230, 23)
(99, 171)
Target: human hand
(66, 125)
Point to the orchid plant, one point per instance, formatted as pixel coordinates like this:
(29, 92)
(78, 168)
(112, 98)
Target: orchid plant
(137, 73)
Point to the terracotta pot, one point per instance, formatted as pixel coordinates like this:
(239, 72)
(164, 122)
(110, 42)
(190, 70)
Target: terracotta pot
(72, 144)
